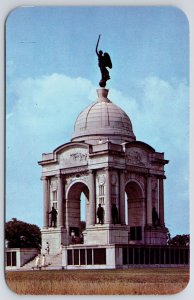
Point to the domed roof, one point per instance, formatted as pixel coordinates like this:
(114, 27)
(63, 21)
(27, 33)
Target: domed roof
(103, 120)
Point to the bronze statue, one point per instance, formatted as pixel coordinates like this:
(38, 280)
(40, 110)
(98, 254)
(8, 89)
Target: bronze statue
(104, 61)
(53, 213)
(155, 219)
(115, 216)
(100, 214)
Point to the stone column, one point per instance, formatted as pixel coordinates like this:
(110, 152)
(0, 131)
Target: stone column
(161, 200)
(149, 200)
(122, 197)
(92, 204)
(45, 201)
(60, 200)
(108, 219)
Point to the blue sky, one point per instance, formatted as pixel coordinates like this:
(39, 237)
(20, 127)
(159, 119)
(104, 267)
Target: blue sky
(52, 75)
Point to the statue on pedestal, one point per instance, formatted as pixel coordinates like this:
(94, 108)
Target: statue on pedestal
(53, 213)
(104, 61)
(100, 214)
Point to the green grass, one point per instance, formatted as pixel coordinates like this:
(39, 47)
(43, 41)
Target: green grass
(137, 281)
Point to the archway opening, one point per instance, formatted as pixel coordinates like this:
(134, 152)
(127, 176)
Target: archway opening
(135, 210)
(77, 208)
(83, 210)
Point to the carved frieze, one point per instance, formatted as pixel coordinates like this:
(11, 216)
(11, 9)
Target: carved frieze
(76, 170)
(81, 177)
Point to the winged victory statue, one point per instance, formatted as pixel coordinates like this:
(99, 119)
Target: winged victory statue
(104, 61)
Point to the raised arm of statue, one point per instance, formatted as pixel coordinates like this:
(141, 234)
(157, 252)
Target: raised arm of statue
(97, 44)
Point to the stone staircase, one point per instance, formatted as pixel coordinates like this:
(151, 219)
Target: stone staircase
(53, 262)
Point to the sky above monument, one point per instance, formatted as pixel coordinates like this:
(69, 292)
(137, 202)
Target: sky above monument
(52, 74)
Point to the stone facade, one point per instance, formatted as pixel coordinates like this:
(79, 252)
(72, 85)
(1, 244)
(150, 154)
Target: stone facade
(105, 163)
(15, 258)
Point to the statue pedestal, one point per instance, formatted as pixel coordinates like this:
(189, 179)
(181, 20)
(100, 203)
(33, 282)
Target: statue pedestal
(54, 237)
(105, 234)
(155, 235)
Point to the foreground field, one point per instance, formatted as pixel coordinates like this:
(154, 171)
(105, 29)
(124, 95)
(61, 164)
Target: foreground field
(99, 282)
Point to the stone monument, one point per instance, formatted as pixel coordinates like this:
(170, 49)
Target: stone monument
(106, 163)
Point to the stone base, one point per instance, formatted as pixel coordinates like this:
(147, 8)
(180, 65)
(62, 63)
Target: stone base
(106, 234)
(55, 237)
(109, 260)
(122, 256)
(155, 235)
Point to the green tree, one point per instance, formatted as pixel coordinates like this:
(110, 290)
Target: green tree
(180, 240)
(19, 234)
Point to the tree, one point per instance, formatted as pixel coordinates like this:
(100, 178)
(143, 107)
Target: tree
(180, 240)
(22, 235)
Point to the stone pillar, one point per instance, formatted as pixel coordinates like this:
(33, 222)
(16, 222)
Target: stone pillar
(67, 213)
(122, 197)
(45, 201)
(149, 200)
(60, 200)
(92, 204)
(161, 200)
(107, 219)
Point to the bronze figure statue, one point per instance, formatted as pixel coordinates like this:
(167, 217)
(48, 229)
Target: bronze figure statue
(53, 213)
(100, 214)
(104, 61)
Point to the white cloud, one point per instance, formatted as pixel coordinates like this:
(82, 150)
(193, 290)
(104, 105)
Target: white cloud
(159, 112)
(44, 113)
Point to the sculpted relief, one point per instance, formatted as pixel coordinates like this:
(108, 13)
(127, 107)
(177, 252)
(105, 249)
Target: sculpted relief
(74, 157)
(134, 156)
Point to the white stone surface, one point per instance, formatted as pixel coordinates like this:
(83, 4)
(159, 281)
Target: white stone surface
(103, 119)
(105, 163)
(23, 255)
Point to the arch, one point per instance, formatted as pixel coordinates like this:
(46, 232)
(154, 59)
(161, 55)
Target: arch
(80, 186)
(135, 208)
(73, 206)
(140, 185)
(140, 145)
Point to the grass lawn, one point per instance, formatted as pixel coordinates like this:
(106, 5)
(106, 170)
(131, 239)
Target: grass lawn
(136, 281)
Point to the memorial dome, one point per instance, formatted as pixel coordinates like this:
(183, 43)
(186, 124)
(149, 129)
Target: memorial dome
(102, 121)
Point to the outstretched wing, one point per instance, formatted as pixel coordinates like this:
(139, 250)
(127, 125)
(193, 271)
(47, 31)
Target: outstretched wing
(107, 60)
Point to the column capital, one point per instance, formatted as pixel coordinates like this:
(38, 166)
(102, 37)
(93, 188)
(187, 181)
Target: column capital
(149, 175)
(59, 175)
(108, 169)
(91, 171)
(43, 177)
(123, 171)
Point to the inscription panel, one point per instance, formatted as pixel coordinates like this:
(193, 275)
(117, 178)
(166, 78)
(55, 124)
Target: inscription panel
(73, 157)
